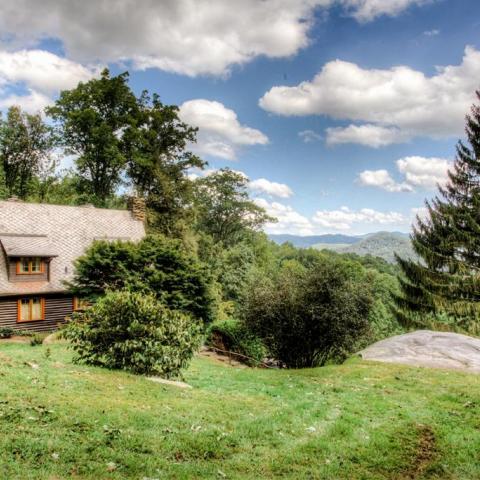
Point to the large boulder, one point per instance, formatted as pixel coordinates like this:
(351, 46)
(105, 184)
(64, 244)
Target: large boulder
(425, 348)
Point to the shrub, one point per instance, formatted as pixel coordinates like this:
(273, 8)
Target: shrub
(6, 332)
(308, 316)
(156, 265)
(134, 332)
(233, 336)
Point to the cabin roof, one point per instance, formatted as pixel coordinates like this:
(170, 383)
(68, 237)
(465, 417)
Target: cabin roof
(59, 232)
(28, 246)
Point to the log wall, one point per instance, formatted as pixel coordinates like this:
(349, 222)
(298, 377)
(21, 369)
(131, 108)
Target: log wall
(57, 307)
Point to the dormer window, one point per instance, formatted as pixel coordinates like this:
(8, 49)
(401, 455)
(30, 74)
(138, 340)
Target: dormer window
(30, 266)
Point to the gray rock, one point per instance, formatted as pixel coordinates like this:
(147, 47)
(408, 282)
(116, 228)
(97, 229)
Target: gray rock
(425, 348)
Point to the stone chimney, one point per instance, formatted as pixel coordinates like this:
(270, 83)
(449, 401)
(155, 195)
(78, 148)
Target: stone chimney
(136, 205)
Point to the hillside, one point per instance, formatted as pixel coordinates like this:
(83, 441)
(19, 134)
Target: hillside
(311, 240)
(381, 244)
(360, 420)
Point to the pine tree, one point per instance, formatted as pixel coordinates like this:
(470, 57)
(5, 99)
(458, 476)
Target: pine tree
(446, 278)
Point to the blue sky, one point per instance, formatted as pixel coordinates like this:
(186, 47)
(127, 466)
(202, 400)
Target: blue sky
(344, 114)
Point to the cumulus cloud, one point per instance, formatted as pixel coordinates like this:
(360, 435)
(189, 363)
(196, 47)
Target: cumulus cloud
(273, 189)
(32, 102)
(431, 33)
(418, 172)
(288, 219)
(41, 73)
(424, 172)
(190, 37)
(401, 99)
(220, 133)
(369, 135)
(309, 136)
(382, 179)
(367, 10)
(345, 219)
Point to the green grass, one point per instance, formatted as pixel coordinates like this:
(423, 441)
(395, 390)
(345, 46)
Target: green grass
(355, 421)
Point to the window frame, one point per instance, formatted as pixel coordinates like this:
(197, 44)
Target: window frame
(79, 304)
(30, 263)
(30, 309)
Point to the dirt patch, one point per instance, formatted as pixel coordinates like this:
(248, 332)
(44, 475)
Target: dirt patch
(424, 454)
(16, 339)
(225, 359)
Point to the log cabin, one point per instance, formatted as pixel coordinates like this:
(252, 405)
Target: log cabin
(39, 245)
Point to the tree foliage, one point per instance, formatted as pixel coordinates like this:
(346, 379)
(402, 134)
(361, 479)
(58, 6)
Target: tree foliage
(135, 332)
(95, 121)
(446, 279)
(26, 145)
(159, 164)
(224, 208)
(306, 316)
(156, 265)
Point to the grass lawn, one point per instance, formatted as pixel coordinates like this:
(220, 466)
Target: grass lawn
(355, 421)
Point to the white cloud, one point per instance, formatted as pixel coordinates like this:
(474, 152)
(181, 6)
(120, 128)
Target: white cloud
(382, 179)
(190, 37)
(418, 172)
(398, 98)
(289, 220)
(220, 133)
(424, 172)
(345, 219)
(33, 102)
(431, 33)
(41, 73)
(274, 189)
(368, 135)
(367, 10)
(309, 136)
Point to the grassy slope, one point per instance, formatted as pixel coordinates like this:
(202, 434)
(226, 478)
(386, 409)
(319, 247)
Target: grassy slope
(356, 421)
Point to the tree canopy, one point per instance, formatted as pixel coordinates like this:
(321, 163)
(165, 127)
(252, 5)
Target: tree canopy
(224, 208)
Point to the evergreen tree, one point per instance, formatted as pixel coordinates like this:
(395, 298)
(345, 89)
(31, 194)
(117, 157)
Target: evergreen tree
(446, 279)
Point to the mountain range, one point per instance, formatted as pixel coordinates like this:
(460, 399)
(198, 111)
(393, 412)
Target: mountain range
(377, 244)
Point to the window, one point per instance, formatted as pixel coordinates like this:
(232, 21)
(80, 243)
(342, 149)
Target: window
(30, 266)
(31, 309)
(80, 304)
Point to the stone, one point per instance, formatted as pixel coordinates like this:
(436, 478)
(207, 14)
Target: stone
(425, 348)
(173, 383)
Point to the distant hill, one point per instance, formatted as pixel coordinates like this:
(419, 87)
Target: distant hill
(378, 244)
(381, 244)
(311, 240)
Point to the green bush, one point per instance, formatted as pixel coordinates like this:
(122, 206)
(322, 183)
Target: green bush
(134, 332)
(232, 336)
(307, 316)
(156, 265)
(6, 332)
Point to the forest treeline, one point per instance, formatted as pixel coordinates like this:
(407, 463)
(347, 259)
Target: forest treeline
(206, 262)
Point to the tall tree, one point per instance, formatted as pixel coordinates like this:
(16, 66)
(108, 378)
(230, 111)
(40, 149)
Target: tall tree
(94, 119)
(159, 162)
(446, 279)
(26, 145)
(224, 208)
